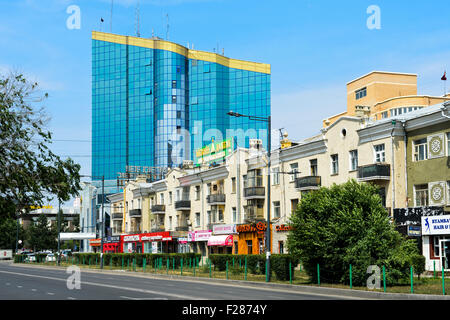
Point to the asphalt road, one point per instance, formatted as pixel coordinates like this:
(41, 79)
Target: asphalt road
(22, 282)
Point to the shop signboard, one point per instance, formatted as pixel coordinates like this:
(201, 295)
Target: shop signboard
(436, 225)
(414, 231)
(282, 227)
(224, 229)
(154, 247)
(214, 152)
(201, 235)
(131, 238)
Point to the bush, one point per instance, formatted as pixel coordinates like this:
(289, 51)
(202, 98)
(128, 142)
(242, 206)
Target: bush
(347, 224)
(279, 264)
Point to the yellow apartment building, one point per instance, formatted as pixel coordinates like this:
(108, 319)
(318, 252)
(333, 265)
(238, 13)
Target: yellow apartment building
(379, 95)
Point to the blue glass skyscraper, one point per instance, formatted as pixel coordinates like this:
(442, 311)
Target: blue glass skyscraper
(155, 102)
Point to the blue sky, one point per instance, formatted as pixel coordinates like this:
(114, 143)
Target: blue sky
(314, 47)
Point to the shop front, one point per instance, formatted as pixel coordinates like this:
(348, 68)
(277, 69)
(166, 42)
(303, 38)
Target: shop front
(198, 241)
(222, 244)
(224, 239)
(155, 242)
(436, 242)
(280, 238)
(112, 244)
(252, 238)
(95, 245)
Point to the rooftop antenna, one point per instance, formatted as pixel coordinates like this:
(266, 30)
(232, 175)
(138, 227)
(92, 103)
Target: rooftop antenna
(281, 133)
(167, 33)
(138, 34)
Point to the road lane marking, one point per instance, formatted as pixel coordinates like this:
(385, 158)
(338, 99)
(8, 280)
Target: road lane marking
(179, 296)
(131, 298)
(50, 293)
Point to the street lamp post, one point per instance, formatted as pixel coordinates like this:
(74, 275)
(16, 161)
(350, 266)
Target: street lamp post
(269, 147)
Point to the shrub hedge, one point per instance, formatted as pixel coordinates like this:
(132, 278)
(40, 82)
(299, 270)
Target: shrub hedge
(256, 263)
(125, 259)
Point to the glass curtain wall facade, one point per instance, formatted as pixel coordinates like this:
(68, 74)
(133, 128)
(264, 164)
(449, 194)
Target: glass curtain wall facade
(155, 102)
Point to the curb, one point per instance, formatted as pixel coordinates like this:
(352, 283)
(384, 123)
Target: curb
(336, 292)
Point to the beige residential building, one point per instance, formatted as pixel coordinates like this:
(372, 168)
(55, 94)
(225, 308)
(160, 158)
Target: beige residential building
(381, 94)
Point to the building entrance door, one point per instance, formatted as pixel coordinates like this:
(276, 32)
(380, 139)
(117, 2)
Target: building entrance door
(444, 246)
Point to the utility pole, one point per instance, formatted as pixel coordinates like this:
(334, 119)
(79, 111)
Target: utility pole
(269, 137)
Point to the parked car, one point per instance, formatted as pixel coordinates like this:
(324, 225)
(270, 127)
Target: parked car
(50, 257)
(30, 258)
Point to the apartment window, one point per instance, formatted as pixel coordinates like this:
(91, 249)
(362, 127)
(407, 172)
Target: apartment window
(170, 223)
(420, 150)
(448, 144)
(208, 188)
(294, 204)
(379, 153)
(353, 160)
(361, 93)
(313, 166)
(233, 185)
(208, 215)
(384, 115)
(276, 209)
(448, 192)
(197, 192)
(294, 168)
(197, 219)
(276, 175)
(334, 164)
(170, 197)
(234, 214)
(174, 84)
(249, 246)
(421, 195)
(281, 247)
(174, 99)
(161, 198)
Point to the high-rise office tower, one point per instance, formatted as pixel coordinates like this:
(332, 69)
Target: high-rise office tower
(155, 102)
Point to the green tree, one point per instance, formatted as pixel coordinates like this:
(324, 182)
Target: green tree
(42, 236)
(30, 173)
(347, 224)
(8, 232)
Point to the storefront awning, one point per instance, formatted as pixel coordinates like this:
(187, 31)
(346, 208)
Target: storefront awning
(222, 240)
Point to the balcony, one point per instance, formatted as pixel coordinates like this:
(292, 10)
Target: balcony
(375, 171)
(308, 183)
(117, 216)
(158, 228)
(214, 199)
(182, 228)
(253, 213)
(135, 213)
(254, 193)
(183, 205)
(158, 209)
